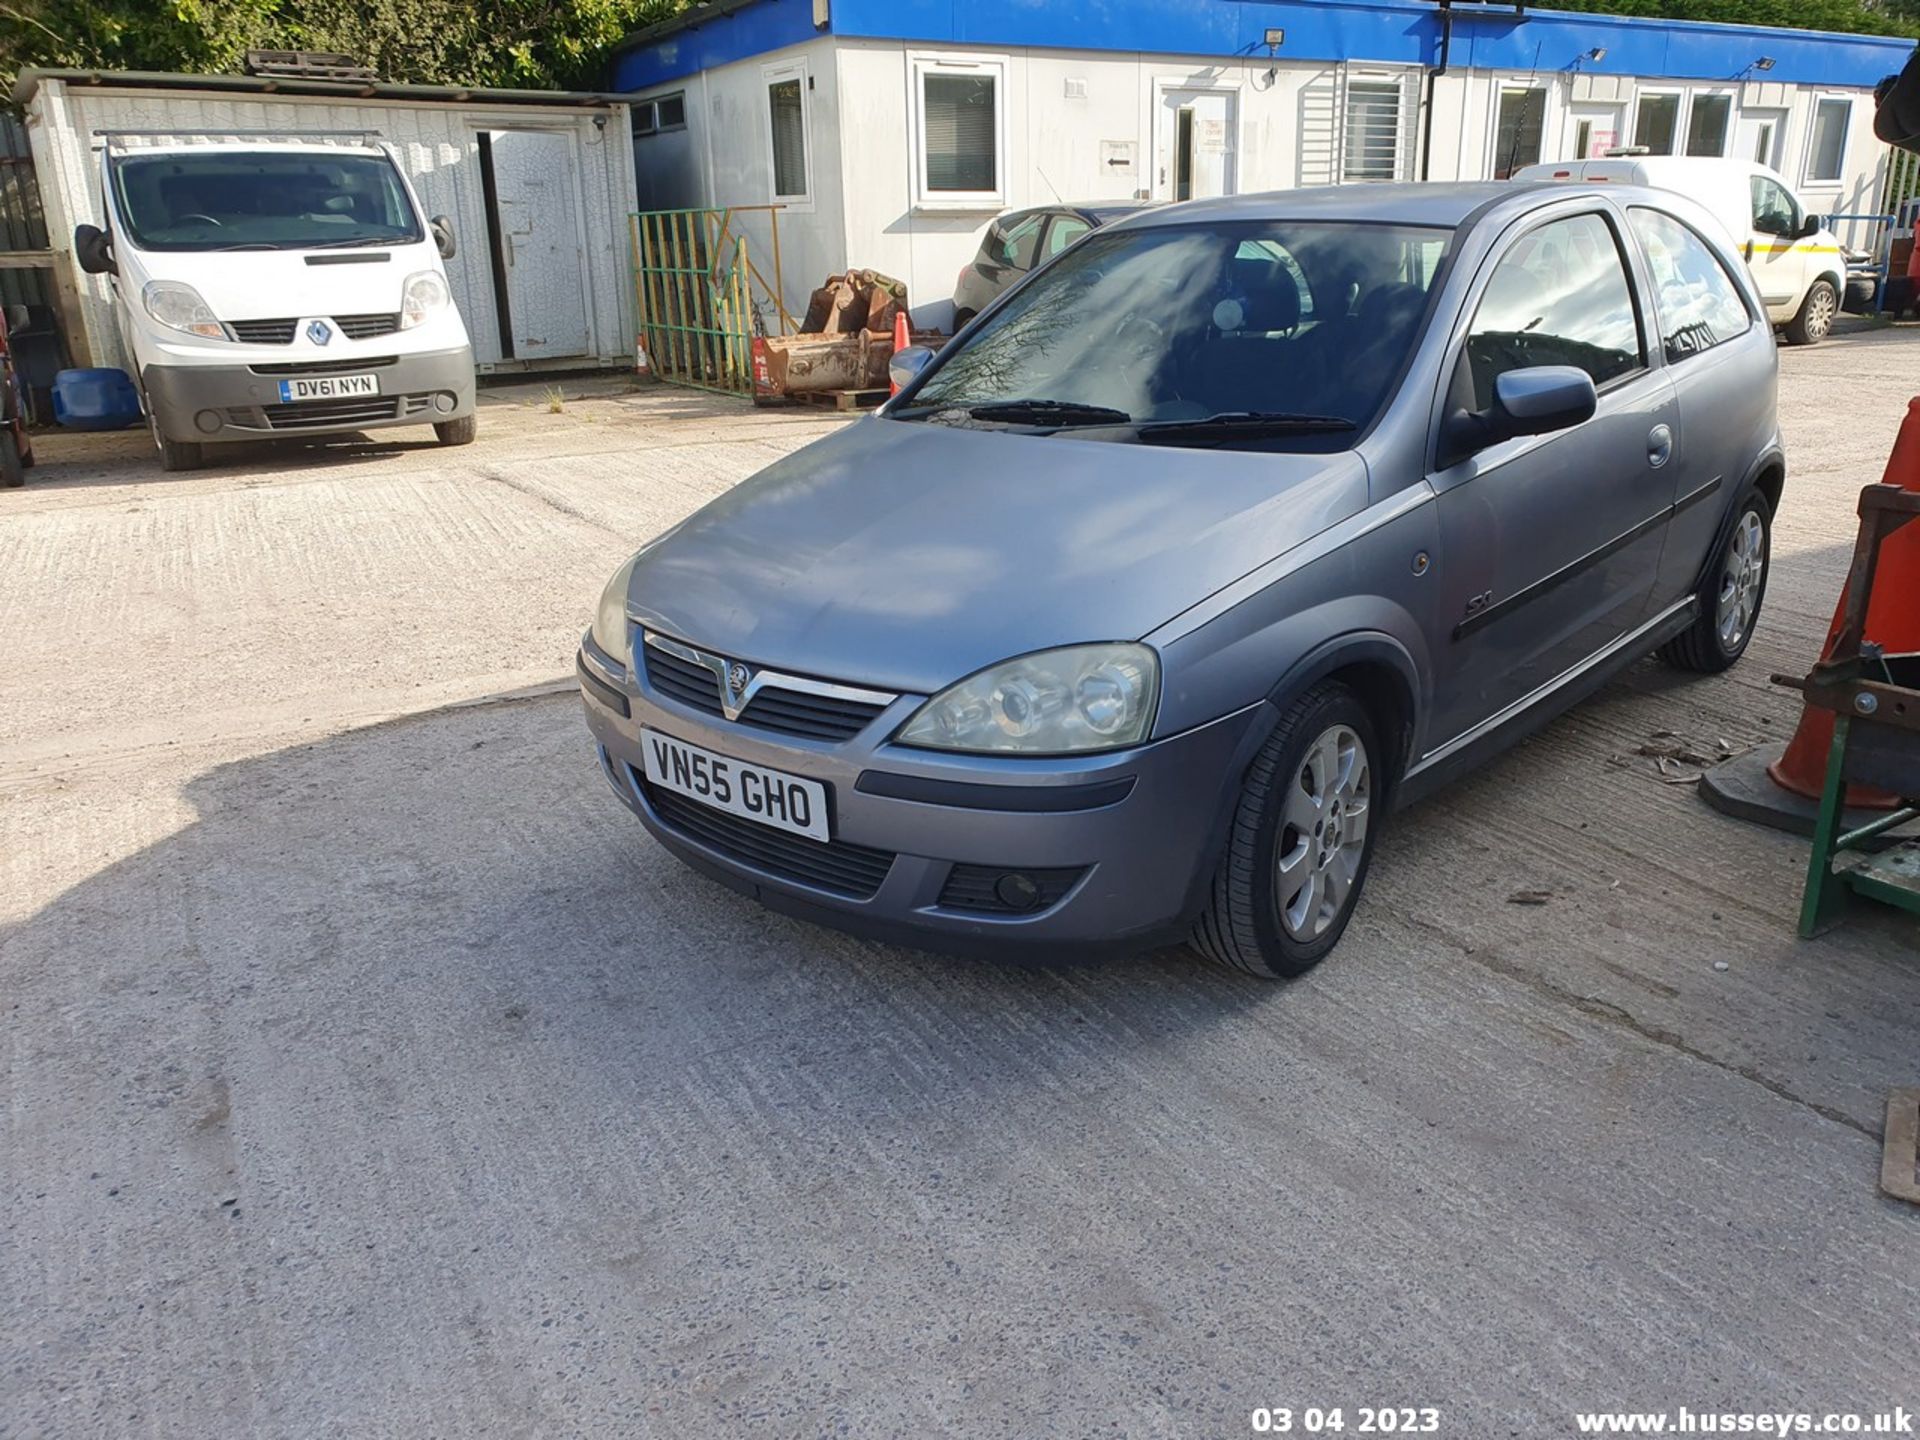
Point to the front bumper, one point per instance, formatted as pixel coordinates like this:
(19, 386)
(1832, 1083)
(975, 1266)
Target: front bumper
(1120, 845)
(201, 403)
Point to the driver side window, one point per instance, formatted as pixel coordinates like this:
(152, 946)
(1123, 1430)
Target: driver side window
(1559, 296)
(1775, 211)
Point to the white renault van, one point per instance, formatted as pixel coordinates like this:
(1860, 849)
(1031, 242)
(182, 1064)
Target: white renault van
(277, 288)
(1799, 267)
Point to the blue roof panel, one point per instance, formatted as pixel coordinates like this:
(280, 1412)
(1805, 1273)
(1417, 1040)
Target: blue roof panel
(1389, 31)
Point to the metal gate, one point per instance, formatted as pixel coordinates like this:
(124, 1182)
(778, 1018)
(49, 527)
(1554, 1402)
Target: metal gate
(700, 296)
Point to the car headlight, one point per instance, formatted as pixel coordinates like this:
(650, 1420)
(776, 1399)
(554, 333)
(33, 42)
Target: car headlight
(421, 298)
(1054, 702)
(179, 307)
(610, 620)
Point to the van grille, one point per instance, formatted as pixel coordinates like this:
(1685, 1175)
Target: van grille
(263, 332)
(365, 327)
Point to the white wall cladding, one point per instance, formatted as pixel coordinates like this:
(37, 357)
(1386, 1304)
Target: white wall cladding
(725, 157)
(1067, 114)
(436, 145)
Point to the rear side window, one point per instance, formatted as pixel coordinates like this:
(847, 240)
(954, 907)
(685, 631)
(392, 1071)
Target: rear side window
(1696, 299)
(1066, 229)
(1015, 242)
(1559, 296)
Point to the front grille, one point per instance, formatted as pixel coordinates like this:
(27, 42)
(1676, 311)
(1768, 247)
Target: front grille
(799, 712)
(355, 410)
(854, 871)
(324, 367)
(682, 680)
(365, 327)
(788, 712)
(263, 332)
(974, 887)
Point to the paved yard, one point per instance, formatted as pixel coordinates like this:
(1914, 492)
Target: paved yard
(367, 1071)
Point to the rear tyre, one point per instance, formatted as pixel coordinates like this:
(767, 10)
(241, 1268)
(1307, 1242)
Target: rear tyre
(963, 318)
(1815, 320)
(1730, 596)
(1300, 841)
(13, 474)
(457, 432)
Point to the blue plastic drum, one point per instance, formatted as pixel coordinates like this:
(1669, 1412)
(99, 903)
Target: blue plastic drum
(100, 399)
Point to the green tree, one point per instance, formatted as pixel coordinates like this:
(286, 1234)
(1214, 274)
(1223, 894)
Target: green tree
(558, 44)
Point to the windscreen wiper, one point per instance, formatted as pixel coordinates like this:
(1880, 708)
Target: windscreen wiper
(358, 240)
(1243, 424)
(1049, 412)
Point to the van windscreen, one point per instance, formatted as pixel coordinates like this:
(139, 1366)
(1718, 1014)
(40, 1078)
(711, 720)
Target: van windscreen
(254, 200)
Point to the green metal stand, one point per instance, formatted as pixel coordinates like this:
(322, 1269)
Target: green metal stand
(1891, 876)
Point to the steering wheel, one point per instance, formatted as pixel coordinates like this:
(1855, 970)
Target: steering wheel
(196, 215)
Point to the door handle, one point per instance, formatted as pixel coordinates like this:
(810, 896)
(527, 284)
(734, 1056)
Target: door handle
(1659, 446)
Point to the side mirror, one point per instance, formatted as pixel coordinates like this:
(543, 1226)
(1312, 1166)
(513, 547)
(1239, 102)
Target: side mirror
(1809, 225)
(1533, 401)
(908, 363)
(93, 250)
(442, 229)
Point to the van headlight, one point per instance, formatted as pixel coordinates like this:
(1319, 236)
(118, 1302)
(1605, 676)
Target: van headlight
(1054, 702)
(610, 620)
(179, 307)
(421, 298)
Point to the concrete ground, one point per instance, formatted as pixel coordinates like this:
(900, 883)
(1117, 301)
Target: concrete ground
(367, 1071)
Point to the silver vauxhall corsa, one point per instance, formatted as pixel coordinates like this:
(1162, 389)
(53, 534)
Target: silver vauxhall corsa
(1235, 525)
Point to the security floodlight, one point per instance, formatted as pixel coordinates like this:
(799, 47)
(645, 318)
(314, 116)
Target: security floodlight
(1765, 62)
(1275, 39)
(1597, 54)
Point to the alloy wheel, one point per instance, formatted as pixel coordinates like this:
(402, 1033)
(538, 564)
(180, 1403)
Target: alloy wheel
(1820, 309)
(1323, 833)
(1740, 580)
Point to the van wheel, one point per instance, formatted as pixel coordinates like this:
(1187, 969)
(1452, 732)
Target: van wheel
(1301, 839)
(1815, 320)
(13, 474)
(175, 454)
(962, 318)
(457, 432)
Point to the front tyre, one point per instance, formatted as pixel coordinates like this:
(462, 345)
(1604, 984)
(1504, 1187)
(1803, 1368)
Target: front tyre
(1815, 319)
(13, 473)
(1301, 839)
(457, 432)
(1728, 601)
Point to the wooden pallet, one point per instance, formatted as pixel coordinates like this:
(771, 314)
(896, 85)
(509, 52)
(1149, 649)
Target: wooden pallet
(841, 399)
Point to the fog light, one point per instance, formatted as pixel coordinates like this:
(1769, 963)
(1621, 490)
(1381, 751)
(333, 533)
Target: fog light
(1017, 891)
(444, 402)
(207, 421)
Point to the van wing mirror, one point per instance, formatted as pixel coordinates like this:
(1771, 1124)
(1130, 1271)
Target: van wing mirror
(442, 229)
(94, 250)
(1809, 225)
(1533, 401)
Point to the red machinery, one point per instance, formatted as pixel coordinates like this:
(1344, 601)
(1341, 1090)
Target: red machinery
(16, 448)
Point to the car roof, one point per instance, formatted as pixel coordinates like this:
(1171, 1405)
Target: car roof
(1444, 204)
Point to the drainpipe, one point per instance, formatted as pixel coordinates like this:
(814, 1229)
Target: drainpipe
(1433, 86)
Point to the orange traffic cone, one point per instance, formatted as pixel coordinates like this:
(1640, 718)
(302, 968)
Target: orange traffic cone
(1893, 622)
(902, 337)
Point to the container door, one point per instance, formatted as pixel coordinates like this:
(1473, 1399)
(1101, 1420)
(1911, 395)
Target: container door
(1196, 145)
(542, 248)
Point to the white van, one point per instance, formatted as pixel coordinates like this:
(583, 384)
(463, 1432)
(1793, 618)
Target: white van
(1799, 267)
(272, 287)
